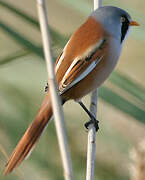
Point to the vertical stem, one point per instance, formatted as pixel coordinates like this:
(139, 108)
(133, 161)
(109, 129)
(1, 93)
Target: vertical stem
(92, 139)
(92, 131)
(56, 105)
(97, 4)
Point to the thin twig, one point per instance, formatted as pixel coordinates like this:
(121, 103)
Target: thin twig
(92, 139)
(56, 105)
(97, 3)
(91, 129)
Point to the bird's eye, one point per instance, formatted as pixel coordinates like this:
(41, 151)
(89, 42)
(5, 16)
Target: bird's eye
(123, 19)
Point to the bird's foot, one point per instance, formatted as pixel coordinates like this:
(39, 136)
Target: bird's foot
(46, 88)
(93, 121)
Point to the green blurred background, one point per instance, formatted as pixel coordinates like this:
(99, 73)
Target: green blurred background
(121, 107)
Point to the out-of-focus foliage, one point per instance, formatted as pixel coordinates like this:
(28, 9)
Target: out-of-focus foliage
(19, 99)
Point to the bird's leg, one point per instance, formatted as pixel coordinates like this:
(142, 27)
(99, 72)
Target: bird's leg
(93, 119)
(46, 88)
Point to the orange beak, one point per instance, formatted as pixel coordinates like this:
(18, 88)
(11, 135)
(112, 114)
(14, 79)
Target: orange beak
(133, 23)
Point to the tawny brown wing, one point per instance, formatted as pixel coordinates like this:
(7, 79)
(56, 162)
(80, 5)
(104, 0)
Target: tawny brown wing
(79, 47)
(80, 68)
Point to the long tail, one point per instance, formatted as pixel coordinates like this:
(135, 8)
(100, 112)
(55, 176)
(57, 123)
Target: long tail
(31, 135)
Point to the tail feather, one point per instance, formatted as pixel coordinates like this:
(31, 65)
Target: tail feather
(31, 135)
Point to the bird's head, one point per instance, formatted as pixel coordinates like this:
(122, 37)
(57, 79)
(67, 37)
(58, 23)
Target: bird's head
(115, 21)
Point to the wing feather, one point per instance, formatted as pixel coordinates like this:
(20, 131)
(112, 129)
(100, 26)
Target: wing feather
(69, 81)
(81, 54)
(81, 67)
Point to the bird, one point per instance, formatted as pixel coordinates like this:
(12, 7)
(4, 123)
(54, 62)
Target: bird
(86, 61)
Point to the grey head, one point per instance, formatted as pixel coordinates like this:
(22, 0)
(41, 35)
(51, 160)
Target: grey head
(115, 20)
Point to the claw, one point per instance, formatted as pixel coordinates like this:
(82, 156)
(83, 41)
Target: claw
(46, 88)
(94, 122)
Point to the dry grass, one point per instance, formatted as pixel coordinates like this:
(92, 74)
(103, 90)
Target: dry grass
(137, 167)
